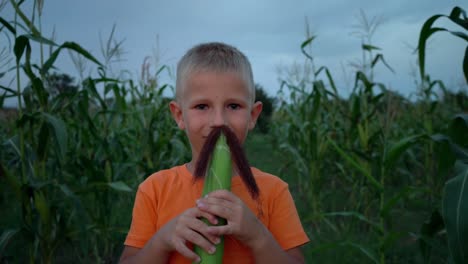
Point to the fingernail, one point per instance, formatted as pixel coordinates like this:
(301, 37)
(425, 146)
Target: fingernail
(217, 241)
(206, 196)
(212, 250)
(198, 260)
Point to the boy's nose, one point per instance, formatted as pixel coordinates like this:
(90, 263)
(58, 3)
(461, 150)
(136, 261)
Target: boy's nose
(218, 118)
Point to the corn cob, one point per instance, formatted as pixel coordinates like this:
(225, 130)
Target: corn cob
(218, 177)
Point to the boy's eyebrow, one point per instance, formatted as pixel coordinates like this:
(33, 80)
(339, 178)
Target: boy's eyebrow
(196, 99)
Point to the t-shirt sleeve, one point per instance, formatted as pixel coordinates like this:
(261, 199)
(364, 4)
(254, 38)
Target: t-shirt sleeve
(143, 220)
(285, 224)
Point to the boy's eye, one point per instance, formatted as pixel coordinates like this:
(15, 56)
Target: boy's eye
(234, 106)
(201, 106)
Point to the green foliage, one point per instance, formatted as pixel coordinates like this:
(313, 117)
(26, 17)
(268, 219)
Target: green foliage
(456, 214)
(75, 154)
(458, 17)
(358, 165)
(263, 122)
(455, 198)
(370, 173)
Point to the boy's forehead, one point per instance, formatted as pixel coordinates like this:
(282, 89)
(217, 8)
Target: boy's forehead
(198, 78)
(212, 73)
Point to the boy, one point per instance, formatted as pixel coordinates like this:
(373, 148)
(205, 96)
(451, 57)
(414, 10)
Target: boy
(214, 87)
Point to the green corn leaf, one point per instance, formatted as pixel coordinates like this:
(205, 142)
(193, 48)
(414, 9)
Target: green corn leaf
(164, 67)
(397, 149)
(457, 152)
(71, 46)
(369, 47)
(389, 239)
(42, 206)
(43, 142)
(455, 211)
(77, 48)
(355, 110)
(458, 129)
(369, 253)
(380, 57)
(8, 26)
(108, 171)
(49, 63)
(59, 132)
(445, 158)
(354, 163)
(28, 22)
(405, 192)
(330, 79)
(90, 85)
(458, 16)
(424, 35)
(306, 43)
(356, 215)
(21, 44)
(41, 39)
(372, 255)
(459, 34)
(13, 93)
(465, 65)
(120, 186)
(5, 238)
(13, 180)
(429, 229)
(360, 76)
(40, 91)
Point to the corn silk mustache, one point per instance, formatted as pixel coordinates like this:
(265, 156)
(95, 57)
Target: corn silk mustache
(220, 150)
(237, 155)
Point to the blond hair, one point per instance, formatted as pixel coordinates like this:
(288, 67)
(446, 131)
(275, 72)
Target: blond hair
(216, 57)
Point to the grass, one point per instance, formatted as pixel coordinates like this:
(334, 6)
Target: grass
(261, 153)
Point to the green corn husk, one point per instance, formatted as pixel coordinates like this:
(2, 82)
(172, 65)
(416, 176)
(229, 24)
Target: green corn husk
(218, 177)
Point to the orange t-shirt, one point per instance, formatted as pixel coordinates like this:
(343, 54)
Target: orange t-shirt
(167, 193)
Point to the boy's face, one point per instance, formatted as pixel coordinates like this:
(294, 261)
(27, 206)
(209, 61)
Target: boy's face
(210, 99)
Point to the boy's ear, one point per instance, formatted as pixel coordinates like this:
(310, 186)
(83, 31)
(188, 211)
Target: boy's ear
(255, 113)
(176, 111)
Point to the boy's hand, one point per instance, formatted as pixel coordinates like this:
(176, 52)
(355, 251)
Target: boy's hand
(241, 221)
(187, 227)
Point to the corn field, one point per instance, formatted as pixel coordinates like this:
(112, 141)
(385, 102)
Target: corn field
(377, 178)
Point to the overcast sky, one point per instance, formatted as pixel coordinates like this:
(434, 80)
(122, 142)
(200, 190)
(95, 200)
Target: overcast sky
(269, 32)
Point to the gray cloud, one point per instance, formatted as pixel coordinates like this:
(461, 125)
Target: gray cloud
(269, 32)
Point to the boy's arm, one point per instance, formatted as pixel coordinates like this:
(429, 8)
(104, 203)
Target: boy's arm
(267, 250)
(187, 227)
(140, 255)
(247, 228)
(297, 254)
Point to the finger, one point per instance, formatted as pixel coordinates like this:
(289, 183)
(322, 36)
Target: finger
(223, 211)
(210, 217)
(223, 194)
(233, 204)
(220, 230)
(182, 248)
(201, 228)
(197, 239)
(195, 218)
